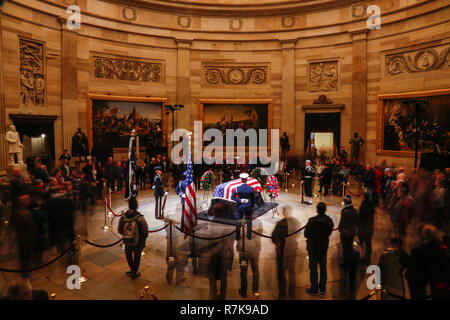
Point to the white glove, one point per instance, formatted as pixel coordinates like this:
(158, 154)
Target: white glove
(166, 194)
(183, 196)
(244, 200)
(153, 187)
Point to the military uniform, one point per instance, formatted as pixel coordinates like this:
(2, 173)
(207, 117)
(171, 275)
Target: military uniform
(244, 195)
(308, 174)
(181, 191)
(159, 192)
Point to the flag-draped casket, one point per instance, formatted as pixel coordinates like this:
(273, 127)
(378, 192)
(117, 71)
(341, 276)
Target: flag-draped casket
(223, 207)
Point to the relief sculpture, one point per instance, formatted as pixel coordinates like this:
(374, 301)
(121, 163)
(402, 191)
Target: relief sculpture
(32, 76)
(323, 76)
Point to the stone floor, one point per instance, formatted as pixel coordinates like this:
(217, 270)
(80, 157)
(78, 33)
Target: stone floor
(105, 268)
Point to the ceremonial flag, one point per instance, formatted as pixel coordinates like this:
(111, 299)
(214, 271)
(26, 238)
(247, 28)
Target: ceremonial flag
(190, 206)
(131, 189)
(225, 190)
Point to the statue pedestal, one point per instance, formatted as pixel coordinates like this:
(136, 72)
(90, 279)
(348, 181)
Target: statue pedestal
(22, 167)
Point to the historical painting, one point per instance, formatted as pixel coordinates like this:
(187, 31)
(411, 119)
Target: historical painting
(421, 118)
(236, 114)
(32, 73)
(113, 120)
(323, 76)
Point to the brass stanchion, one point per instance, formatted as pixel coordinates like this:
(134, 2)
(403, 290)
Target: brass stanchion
(171, 259)
(105, 226)
(257, 296)
(378, 290)
(53, 296)
(81, 279)
(145, 295)
(109, 199)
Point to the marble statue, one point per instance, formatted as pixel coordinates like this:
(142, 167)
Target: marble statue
(15, 147)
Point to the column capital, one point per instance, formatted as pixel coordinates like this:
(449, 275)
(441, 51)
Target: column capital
(184, 43)
(288, 43)
(359, 34)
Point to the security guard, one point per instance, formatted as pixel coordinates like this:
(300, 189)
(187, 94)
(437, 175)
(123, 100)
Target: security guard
(244, 195)
(308, 174)
(181, 192)
(159, 191)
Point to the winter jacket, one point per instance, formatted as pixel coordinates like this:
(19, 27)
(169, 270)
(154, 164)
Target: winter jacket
(142, 225)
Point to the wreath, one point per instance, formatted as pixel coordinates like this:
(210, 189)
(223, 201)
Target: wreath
(272, 187)
(206, 180)
(260, 174)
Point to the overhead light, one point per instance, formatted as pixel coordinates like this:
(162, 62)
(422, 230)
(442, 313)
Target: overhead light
(43, 135)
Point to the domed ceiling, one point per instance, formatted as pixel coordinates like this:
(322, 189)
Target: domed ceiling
(236, 7)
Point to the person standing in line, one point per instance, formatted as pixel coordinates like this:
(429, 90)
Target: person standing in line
(365, 227)
(134, 229)
(317, 233)
(109, 173)
(348, 225)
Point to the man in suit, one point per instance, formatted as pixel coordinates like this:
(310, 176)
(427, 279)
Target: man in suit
(181, 192)
(244, 195)
(159, 191)
(308, 175)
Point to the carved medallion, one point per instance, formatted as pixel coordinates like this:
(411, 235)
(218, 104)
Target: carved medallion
(236, 24)
(359, 11)
(124, 69)
(417, 60)
(288, 21)
(235, 75)
(323, 75)
(32, 73)
(129, 13)
(184, 22)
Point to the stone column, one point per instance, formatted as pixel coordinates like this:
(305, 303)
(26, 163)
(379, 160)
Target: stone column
(68, 84)
(3, 146)
(288, 90)
(183, 117)
(359, 86)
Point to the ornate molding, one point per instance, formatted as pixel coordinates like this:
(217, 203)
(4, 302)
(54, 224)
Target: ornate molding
(32, 73)
(323, 100)
(126, 69)
(413, 61)
(323, 75)
(359, 11)
(235, 75)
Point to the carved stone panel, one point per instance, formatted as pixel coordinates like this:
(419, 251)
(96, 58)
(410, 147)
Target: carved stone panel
(32, 73)
(418, 60)
(323, 75)
(131, 69)
(235, 74)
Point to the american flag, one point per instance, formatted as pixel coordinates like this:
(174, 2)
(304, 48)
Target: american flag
(225, 190)
(130, 176)
(190, 206)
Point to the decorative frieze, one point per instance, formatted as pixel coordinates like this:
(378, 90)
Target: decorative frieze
(418, 60)
(32, 73)
(129, 13)
(127, 69)
(288, 21)
(323, 75)
(236, 24)
(235, 75)
(184, 22)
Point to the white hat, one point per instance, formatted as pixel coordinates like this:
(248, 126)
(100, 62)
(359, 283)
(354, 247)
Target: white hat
(243, 175)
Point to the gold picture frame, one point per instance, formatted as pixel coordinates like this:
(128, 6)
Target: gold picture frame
(91, 97)
(381, 101)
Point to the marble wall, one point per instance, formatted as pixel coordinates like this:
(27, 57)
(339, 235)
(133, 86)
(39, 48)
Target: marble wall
(290, 58)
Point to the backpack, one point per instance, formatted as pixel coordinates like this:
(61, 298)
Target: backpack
(131, 232)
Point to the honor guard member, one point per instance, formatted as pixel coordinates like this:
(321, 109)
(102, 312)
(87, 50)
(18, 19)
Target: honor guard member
(244, 195)
(181, 192)
(308, 175)
(159, 191)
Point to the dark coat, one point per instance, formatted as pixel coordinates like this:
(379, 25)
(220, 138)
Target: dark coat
(141, 222)
(244, 191)
(109, 170)
(158, 184)
(349, 222)
(366, 219)
(317, 233)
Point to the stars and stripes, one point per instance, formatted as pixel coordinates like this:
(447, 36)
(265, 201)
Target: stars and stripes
(190, 206)
(225, 190)
(130, 177)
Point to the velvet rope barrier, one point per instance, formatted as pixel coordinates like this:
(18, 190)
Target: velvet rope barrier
(290, 234)
(157, 230)
(110, 209)
(204, 238)
(37, 268)
(102, 245)
(370, 295)
(354, 195)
